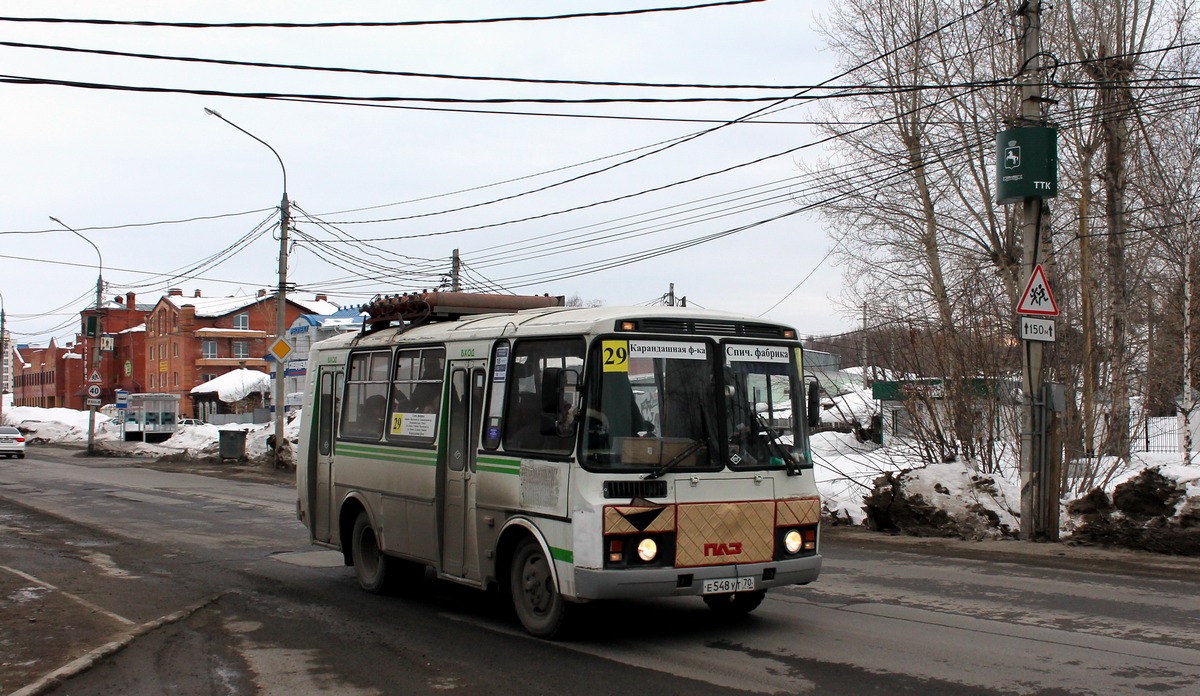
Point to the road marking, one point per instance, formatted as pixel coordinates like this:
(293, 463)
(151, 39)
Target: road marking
(74, 597)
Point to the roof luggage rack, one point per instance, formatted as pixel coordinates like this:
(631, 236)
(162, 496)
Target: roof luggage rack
(413, 309)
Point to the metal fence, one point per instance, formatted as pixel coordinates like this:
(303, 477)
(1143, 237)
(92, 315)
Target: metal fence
(1165, 434)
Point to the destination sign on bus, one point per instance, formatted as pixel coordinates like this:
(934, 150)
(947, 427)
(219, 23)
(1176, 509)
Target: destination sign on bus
(769, 354)
(616, 354)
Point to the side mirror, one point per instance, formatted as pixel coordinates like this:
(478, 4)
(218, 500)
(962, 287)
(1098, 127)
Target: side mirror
(813, 408)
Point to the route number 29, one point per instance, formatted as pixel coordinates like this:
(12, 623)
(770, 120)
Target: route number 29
(615, 355)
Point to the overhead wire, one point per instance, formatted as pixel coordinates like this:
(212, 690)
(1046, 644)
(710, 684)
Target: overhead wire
(405, 23)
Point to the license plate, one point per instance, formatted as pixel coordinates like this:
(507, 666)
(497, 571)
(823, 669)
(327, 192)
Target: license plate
(727, 585)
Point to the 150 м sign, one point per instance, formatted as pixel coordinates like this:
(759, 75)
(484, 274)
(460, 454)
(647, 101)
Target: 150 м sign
(1037, 329)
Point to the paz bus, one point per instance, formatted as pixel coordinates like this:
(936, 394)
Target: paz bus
(562, 455)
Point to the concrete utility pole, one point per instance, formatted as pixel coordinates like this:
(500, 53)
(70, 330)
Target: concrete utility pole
(455, 272)
(1189, 403)
(91, 446)
(1033, 450)
(4, 358)
(281, 293)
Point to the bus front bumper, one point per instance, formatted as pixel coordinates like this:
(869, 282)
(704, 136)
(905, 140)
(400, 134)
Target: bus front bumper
(678, 582)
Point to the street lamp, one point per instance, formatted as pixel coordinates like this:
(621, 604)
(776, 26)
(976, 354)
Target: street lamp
(99, 328)
(4, 358)
(281, 294)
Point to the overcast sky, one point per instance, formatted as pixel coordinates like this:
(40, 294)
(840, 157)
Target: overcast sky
(384, 194)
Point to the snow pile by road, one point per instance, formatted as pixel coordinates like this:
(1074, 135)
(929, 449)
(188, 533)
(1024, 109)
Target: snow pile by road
(64, 425)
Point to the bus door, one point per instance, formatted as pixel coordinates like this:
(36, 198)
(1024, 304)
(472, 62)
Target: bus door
(460, 541)
(320, 465)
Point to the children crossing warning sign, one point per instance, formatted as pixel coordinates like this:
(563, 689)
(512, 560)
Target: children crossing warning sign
(1037, 299)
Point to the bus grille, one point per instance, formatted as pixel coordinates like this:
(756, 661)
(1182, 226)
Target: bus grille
(725, 533)
(635, 489)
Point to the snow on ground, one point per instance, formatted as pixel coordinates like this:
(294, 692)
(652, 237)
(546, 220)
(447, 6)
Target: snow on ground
(64, 425)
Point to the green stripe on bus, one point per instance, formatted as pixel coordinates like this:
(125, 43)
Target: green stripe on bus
(391, 454)
(564, 555)
(496, 465)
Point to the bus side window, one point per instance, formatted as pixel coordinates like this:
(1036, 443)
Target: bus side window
(495, 409)
(416, 395)
(366, 395)
(527, 393)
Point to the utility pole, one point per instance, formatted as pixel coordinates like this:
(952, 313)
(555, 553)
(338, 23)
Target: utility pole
(91, 446)
(866, 381)
(1189, 401)
(285, 217)
(671, 296)
(455, 272)
(4, 359)
(1033, 460)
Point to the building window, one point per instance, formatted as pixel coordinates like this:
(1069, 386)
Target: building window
(208, 349)
(241, 349)
(207, 377)
(176, 377)
(241, 321)
(175, 350)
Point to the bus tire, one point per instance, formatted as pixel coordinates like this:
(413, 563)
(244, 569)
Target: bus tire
(371, 566)
(535, 597)
(735, 604)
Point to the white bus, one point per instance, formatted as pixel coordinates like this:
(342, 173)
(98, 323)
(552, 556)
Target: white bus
(562, 455)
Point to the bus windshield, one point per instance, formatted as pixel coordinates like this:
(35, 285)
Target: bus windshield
(651, 403)
(762, 400)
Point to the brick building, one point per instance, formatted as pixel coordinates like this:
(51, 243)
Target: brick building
(40, 374)
(191, 340)
(54, 376)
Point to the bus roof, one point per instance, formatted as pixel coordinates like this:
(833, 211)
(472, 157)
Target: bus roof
(551, 321)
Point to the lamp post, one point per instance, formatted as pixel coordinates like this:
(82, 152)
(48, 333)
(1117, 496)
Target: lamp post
(281, 294)
(4, 358)
(99, 328)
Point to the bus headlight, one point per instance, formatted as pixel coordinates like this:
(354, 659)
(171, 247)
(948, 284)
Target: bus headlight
(793, 541)
(647, 550)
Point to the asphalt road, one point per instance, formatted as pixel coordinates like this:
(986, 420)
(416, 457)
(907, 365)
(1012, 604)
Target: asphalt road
(119, 579)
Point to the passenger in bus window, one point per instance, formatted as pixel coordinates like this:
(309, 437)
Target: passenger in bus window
(369, 420)
(425, 398)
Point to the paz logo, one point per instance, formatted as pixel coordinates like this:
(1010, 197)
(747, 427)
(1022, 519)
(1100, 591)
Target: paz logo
(1012, 155)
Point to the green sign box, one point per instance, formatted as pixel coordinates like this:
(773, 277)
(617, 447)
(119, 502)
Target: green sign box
(1026, 164)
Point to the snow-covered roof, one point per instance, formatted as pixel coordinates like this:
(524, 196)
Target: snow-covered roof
(140, 328)
(220, 306)
(236, 385)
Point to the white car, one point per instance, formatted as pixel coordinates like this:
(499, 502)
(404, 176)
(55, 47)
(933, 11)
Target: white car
(12, 442)
(190, 421)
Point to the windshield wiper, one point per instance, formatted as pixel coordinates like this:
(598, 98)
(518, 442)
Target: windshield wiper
(687, 452)
(773, 435)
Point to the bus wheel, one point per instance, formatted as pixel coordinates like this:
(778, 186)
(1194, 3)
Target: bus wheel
(735, 604)
(535, 597)
(370, 564)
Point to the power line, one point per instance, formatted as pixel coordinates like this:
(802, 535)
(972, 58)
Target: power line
(328, 25)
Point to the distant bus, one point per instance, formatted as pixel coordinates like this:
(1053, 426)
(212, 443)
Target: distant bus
(149, 417)
(562, 455)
